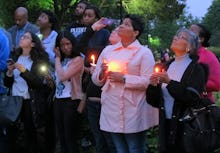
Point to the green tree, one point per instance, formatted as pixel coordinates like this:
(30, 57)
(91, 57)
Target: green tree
(7, 11)
(166, 29)
(212, 22)
(62, 8)
(149, 9)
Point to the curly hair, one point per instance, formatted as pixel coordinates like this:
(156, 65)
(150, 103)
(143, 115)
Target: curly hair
(37, 51)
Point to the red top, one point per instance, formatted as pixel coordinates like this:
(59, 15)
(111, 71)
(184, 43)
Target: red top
(208, 57)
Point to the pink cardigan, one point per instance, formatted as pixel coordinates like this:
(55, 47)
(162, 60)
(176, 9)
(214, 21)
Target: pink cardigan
(208, 57)
(74, 72)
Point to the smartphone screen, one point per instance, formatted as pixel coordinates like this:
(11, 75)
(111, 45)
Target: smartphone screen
(10, 61)
(108, 22)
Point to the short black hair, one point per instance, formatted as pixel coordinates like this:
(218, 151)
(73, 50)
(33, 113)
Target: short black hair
(52, 18)
(137, 23)
(204, 33)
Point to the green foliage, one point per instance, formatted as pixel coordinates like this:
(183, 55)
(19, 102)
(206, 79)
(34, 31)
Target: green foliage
(150, 9)
(216, 50)
(166, 29)
(152, 140)
(217, 97)
(109, 8)
(48, 4)
(7, 11)
(212, 22)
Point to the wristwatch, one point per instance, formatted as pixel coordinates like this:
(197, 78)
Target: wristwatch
(124, 79)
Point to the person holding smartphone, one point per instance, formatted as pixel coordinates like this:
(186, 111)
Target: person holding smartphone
(24, 79)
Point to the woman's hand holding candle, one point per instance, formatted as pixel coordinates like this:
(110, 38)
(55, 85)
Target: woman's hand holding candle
(116, 77)
(93, 60)
(159, 77)
(104, 71)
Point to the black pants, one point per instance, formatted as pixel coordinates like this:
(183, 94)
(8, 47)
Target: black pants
(66, 119)
(171, 147)
(22, 136)
(30, 132)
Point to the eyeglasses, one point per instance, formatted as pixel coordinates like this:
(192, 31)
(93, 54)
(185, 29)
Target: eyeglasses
(25, 37)
(179, 36)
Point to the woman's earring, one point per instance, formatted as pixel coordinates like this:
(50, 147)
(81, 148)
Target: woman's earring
(187, 50)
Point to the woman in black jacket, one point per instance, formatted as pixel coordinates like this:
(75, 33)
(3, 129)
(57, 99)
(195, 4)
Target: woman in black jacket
(24, 78)
(168, 90)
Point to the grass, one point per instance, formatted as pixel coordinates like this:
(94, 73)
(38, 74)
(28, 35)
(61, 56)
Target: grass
(217, 97)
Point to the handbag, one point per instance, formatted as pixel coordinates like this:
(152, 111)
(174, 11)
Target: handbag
(201, 127)
(10, 108)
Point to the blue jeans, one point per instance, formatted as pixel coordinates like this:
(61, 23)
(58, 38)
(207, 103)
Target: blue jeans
(103, 139)
(130, 143)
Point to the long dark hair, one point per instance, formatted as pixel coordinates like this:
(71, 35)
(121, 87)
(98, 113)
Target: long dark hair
(37, 51)
(68, 35)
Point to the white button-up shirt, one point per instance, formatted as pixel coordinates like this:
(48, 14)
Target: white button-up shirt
(124, 108)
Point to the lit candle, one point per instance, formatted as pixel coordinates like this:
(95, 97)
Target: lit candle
(114, 67)
(157, 69)
(93, 60)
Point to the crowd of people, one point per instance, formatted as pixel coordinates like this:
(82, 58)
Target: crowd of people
(108, 76)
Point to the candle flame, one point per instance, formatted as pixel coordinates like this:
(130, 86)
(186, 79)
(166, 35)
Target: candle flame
(93, 59)
(157, 69)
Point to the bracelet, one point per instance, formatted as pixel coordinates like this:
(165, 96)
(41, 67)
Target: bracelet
(22, 70)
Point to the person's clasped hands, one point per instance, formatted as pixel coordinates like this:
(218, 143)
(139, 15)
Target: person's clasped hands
(159, 77)
(112, 76)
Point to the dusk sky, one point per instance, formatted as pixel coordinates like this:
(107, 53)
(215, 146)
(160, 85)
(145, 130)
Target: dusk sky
(198, 8)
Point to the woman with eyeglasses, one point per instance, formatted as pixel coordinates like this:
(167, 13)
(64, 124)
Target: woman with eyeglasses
(168, 89)
(25, 79)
